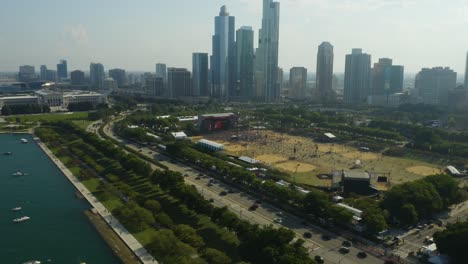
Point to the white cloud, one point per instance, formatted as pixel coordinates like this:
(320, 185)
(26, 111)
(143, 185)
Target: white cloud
(77, 34)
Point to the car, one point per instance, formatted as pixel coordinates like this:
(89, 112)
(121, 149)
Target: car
(186, 175)
(344, 250)
(231, 191)
(211, 200)
(319, 259)
(278, 220)
(307, 234)
(209, 184)
(279, 214)
(198, 178)
(347, 243)
(140, 150)
(223, 193)
(253, 207)
(362, 254)
(326, 237)
(200, 174)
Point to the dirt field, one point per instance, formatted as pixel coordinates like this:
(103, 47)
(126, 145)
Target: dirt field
(285, 152)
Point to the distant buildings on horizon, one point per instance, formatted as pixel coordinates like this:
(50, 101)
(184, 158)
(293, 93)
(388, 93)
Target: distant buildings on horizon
(235, 71)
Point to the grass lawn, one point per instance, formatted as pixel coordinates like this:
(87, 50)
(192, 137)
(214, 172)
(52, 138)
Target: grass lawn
(112, 204)
(75, 171)
(91, 184)
(83, 124)
(50, 117)
(145, 237)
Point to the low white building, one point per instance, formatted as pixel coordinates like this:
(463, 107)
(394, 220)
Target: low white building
(18, 100)
(179, 135)
(50, 98)
(83, 96)
(211, 145)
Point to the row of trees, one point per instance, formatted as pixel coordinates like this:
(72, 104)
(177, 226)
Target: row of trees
(452, 242)
(194, 225)
(24, 109)
(409, 202)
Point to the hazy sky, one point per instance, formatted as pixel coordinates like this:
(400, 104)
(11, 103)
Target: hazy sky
(135, 34)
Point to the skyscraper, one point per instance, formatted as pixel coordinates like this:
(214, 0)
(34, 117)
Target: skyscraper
(52, 76)
(324, 76)
(119, 76)
(223, 58)
(386, 78)
(466, 72)
(161, 71)
(297, 83)
(357, 77)
(433, 85)
(62, 71)
(27, 73)
(43, 73)
(266, 63)
(245, 62)
(200, 74)
(96, 75)
(179, 82)
(77, 78)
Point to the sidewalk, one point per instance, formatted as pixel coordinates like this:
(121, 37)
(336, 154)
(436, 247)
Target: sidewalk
(120, 230)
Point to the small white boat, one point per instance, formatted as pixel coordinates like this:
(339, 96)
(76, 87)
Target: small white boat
(17, 208)
(21, 219)
(32, 262)
(24, 141)
(8, 153)
(19, 173)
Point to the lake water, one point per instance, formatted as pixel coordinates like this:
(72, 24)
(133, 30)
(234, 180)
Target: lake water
(58, 231)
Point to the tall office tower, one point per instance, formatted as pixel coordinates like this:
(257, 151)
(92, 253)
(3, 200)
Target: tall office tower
(297, 83)
(324, 76)
(179, 82)
(223, 56)
(27, 73)
(200, 74)
(119, 76)
(245, 63)
(62, 71)
(154, 85)
(77, 77)
(96, 75)
(357, 77)
(161, 71)
(434, 85)
(466, 72)
(52, 76)
(43, 73)
(266, 61)
(387, 79)
(280, 79)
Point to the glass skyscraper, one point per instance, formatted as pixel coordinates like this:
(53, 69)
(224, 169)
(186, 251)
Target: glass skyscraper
(223, 58)
(245, 62)
(266, 64)
(62, 71)
(96, 75)
(200, 74)
(324, 76)
(357, 77)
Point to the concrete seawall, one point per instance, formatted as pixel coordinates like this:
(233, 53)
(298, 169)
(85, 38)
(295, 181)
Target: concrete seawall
(120, 230)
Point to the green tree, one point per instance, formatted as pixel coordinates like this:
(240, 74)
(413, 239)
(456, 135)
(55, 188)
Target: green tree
(452, 241)
(408, 214)
(189, 235)
(214, 256)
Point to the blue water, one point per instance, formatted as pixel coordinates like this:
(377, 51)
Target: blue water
(58, 230)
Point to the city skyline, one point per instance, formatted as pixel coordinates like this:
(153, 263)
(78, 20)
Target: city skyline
(81, 37)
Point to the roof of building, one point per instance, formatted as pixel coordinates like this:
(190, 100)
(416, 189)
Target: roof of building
(249, 160)
(18, 97)
(179, 134)
(211, 143)
(355, 211)
(330, 135)
(356, 175)
(453, 170)
(218, 115)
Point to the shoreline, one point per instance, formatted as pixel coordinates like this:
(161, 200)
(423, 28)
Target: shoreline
(138, 250)
(114, 242)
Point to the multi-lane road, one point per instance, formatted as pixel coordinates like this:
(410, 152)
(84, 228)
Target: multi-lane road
(265, 214)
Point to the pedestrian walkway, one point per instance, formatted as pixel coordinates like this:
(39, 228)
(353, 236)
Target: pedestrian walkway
(120, 230)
